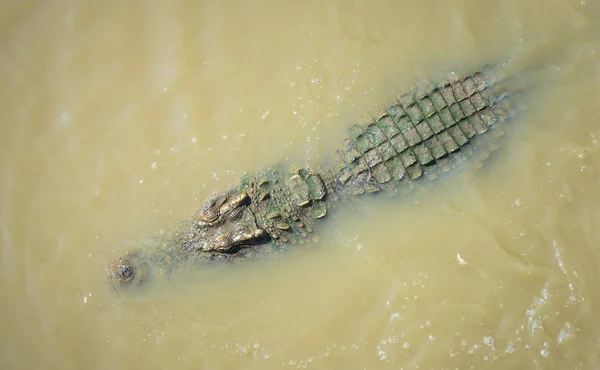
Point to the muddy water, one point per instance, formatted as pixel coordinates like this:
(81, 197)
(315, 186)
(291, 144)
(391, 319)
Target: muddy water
(117, 120)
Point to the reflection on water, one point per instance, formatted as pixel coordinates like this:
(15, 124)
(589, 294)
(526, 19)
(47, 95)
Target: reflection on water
(118, 120)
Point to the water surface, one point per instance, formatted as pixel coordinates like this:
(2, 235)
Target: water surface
(119, 119)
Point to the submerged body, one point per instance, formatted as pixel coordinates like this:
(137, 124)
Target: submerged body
(427, 131)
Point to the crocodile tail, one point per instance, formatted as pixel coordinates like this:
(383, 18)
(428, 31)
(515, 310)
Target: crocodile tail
(428, 131)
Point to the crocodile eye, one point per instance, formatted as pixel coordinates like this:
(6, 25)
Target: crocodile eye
(212, 209)
(235, 203)
(235, 213)
(209, 215)
(223, 243)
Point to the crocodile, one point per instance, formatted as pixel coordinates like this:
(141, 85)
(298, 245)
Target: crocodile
(425, 132)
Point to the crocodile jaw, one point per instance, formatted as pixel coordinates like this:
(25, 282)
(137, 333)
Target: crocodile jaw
(225, 229)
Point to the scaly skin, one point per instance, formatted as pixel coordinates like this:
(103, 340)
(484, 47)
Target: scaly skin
(428, 131)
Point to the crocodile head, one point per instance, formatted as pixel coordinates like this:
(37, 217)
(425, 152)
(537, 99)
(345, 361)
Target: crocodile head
(226, 224)
(224, 229)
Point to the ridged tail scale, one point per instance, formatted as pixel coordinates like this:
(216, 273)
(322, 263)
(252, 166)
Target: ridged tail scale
(427, 131)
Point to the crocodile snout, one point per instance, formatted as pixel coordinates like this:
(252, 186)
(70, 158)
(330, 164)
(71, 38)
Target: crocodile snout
(121, 271)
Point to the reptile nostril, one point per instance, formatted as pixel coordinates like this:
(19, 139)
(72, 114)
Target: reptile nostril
(125, 270)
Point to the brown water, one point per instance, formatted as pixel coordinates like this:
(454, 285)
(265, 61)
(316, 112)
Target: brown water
(118, 120)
